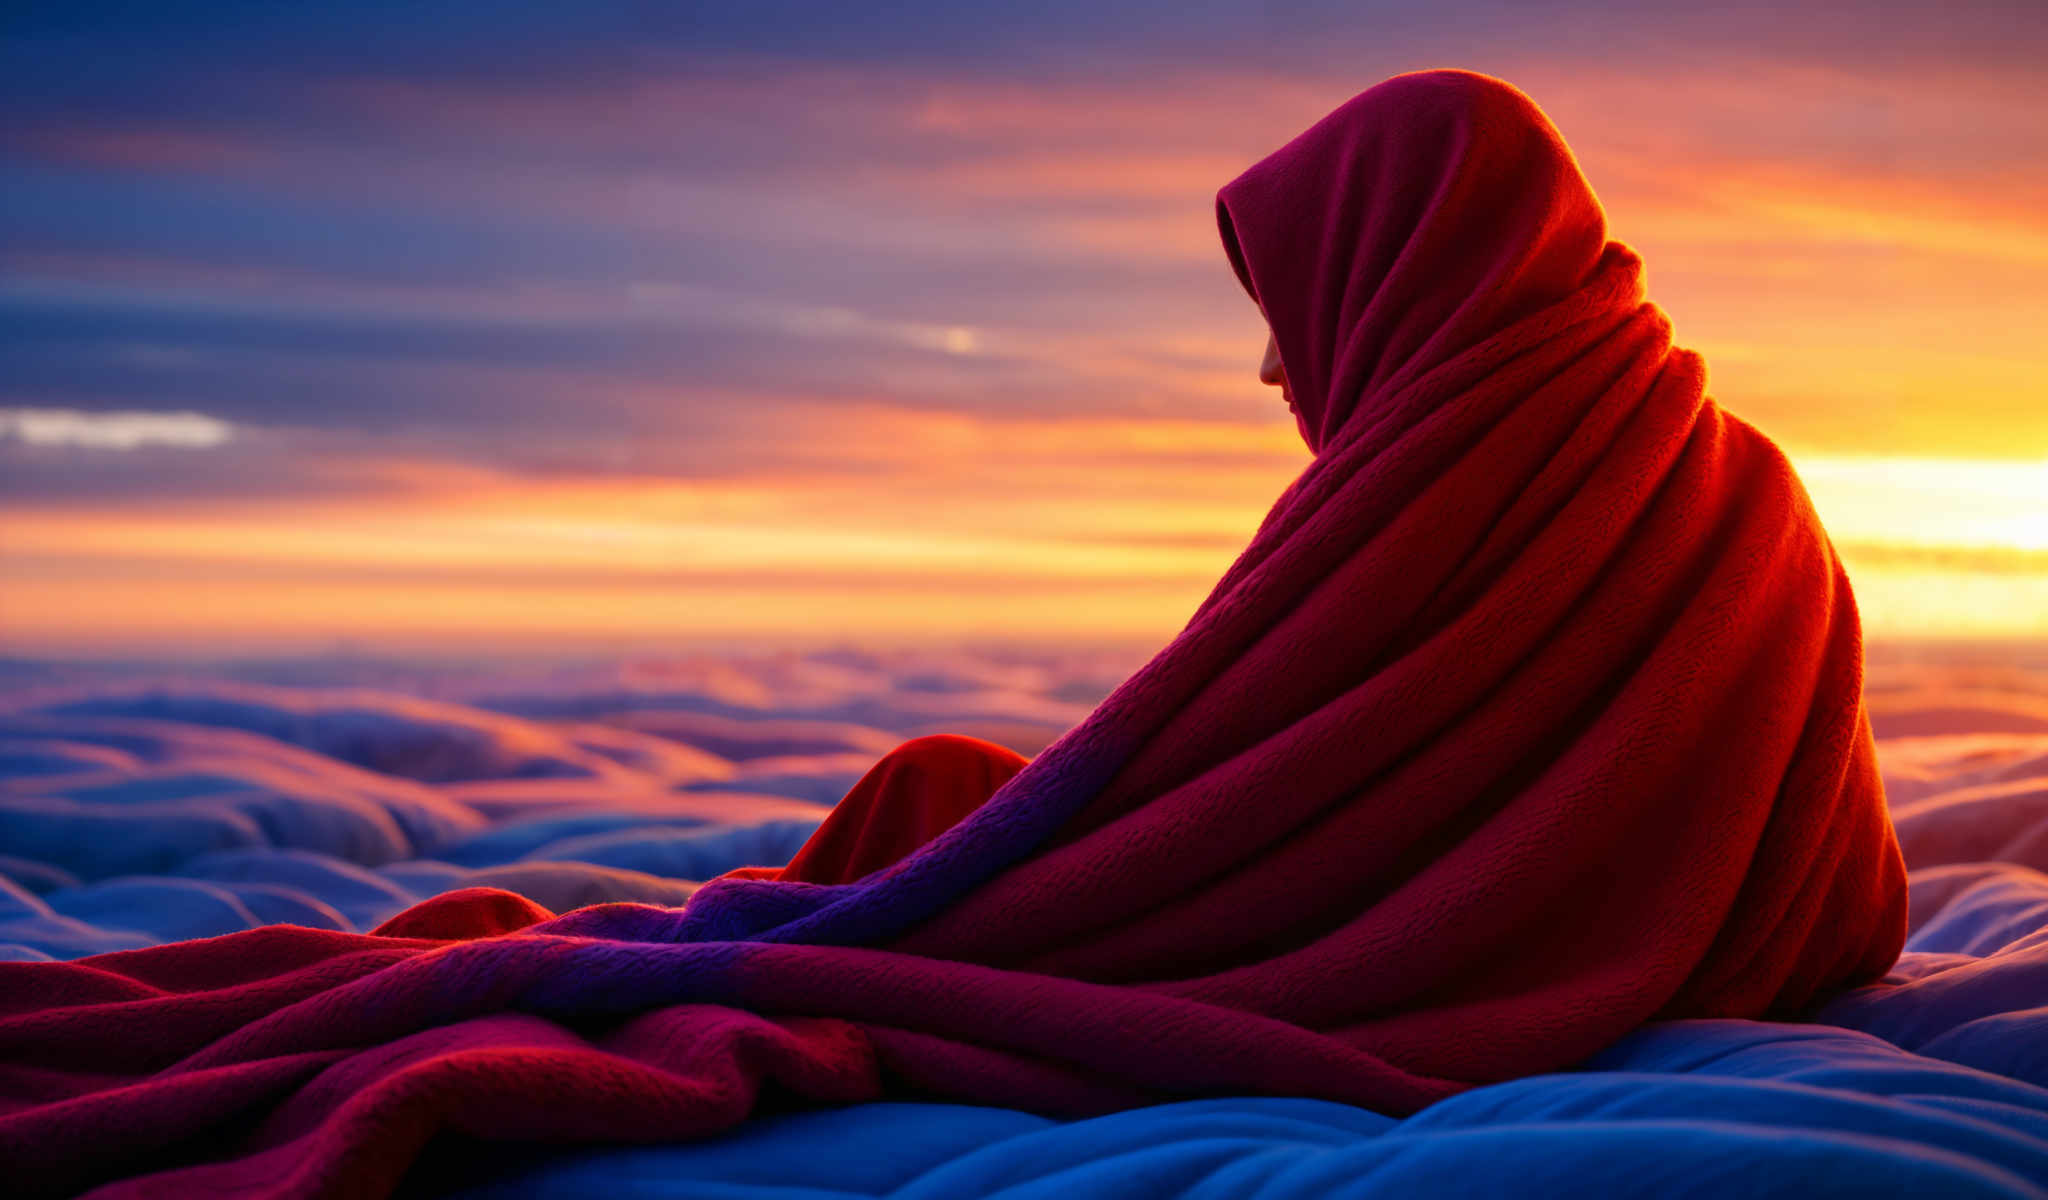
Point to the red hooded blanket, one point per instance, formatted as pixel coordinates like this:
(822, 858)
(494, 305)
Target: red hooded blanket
(1531, 713)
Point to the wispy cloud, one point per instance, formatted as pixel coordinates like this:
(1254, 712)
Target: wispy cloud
(113, 430)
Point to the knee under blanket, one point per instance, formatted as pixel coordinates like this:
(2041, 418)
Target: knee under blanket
(1531, 712)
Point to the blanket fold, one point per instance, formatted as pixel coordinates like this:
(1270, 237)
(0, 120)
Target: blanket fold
(1532, 712)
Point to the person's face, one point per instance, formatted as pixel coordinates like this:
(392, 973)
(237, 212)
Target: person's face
(1270, 372)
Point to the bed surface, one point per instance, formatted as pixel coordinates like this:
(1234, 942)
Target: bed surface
(134, 812)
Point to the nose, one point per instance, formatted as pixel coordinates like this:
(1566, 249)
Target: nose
(1269, 366)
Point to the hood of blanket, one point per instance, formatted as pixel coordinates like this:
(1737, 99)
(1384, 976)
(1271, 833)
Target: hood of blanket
(1418, 218)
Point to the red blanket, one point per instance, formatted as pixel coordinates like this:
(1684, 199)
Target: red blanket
(1531, 713)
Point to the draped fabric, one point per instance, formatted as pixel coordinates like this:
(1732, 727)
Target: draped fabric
(1531, 713)
(915, 793)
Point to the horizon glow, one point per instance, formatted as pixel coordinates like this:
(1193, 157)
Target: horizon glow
(860, 344)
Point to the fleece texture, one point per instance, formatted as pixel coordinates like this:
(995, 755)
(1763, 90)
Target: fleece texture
(1531, 713)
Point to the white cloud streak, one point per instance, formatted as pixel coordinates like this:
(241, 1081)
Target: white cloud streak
(131, 430)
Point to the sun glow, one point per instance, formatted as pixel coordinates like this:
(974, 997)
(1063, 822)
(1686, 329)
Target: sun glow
(1126, 548)
(1959, 504)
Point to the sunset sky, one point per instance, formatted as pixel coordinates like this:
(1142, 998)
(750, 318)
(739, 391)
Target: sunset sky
(517, 325)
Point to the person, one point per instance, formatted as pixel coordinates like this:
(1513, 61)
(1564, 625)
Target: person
(1531, 713)
(928, 784)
